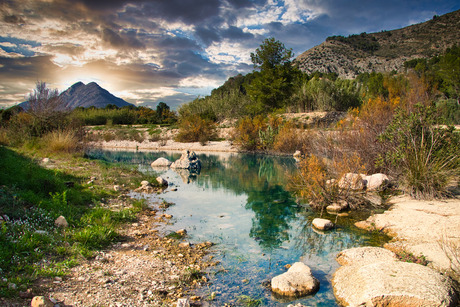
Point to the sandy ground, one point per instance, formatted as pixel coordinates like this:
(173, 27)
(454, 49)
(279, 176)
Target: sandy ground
(221, 146)
(429, 228)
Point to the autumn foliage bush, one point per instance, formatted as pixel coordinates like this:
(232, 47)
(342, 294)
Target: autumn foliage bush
(193, 128)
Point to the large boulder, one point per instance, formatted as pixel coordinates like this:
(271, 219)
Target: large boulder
(161, 162)
(376, 181)
(297, 281)
(188, 160)
(365, 255)
(372, 276)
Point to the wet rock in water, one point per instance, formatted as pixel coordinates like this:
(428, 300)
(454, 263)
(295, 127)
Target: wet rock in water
(297, 281)
(322, 224)
(188, 160)
(162, 182)
(337, 207)
(392, 283)
(364, 255)
(41, 301)
(61, 222)
(161, 162)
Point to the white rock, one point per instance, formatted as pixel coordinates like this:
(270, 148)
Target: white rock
(297, 154)
(297, 281)
(365, 255)
(376, 181)
(322, 224)
(161, 162)
(145, 183)
(392, 283)
(117, 187)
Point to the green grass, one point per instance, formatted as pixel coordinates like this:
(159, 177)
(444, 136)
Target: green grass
(32, 197)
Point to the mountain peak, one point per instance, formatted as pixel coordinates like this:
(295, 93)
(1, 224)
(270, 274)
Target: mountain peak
(90, 95)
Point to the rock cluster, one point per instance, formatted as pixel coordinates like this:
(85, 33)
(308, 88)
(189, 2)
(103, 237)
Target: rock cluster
(188, 160)
(297, 281)
(371, 276)
(353, 181)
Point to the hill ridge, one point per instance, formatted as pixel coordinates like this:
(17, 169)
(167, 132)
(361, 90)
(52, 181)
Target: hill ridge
(383, 51)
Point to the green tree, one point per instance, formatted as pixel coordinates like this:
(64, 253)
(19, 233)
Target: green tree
(272, 85)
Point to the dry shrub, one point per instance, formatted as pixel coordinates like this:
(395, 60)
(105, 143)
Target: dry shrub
(366, 125)
(4, 140)
(247, 130)
(317, 180)
(451, 250)
(290, 139)
(61, 141)
(193, 128)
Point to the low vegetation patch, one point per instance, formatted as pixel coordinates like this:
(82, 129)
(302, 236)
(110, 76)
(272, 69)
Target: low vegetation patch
(32, 245)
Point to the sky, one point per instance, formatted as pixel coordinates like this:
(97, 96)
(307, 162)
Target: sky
(148, 51)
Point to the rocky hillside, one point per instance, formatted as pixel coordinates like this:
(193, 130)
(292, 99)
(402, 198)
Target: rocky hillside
(383, 51)
(91, 94)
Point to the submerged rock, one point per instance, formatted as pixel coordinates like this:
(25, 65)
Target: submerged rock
(297, 281)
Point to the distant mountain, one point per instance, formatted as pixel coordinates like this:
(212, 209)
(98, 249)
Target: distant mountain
(383, 51)
(89, 95)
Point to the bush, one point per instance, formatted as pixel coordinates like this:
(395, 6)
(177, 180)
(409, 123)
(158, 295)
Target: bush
(317, 180)
(193, 128)
(422, 154)
(61, 141)
(290, 139)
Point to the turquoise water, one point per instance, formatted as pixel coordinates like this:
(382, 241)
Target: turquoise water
(240, 203)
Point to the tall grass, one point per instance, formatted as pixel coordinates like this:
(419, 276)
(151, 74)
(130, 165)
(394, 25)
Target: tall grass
(61, 141)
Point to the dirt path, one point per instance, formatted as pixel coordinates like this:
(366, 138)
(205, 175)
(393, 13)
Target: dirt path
(143, 270)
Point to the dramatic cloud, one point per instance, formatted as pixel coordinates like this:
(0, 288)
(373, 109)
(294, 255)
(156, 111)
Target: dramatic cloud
(147, 51)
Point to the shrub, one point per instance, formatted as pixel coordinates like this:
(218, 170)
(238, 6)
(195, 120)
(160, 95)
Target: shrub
(193, 128)
(317, 180)
(290, 139)
(61, 141)
(423, 155)
(247, 132)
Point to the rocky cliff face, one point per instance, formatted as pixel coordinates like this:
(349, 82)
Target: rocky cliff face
(383, 51)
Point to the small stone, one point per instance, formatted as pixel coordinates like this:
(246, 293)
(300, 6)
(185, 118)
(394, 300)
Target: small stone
(162, 182)
(181, 232)
(61, 222)
(287, 266)
(184, 245)
(322, 224)
(183, 302)
(46, 160)
(145, 183)
(195, 298)
(297, 281)
(41, 301)
(117, 187)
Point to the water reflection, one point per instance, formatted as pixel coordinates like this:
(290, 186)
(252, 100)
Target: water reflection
(240, 202)
(274, 208)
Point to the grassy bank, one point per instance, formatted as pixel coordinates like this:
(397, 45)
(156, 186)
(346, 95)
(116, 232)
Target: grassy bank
(34, 193)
